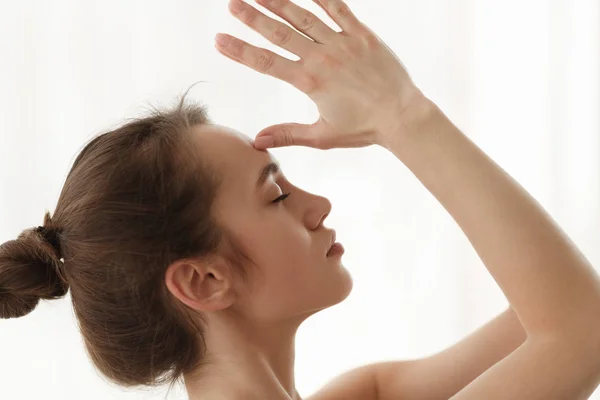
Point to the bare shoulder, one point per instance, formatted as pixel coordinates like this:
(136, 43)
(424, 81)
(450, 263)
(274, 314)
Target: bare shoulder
(355, 384)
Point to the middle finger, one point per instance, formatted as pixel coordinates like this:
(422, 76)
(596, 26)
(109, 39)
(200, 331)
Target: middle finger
(276, 32)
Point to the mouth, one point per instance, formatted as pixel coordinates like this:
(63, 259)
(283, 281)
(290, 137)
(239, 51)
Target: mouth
(335, 248)
(332, 240)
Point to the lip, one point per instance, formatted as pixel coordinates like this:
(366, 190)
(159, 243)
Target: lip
(332, 240)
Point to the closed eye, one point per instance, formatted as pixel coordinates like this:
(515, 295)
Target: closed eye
(281, 198)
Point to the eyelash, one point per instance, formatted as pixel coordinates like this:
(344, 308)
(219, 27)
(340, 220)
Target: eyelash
(281, 198)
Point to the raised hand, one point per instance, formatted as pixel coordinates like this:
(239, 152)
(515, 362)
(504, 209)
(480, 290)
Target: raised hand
(360, 87)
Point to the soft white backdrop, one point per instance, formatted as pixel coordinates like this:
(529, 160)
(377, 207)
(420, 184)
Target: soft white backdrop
(521, 78)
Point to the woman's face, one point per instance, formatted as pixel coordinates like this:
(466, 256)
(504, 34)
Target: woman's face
(286, 240)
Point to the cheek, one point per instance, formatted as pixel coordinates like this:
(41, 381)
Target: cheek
(286, 256)
(290, 246)
(294, 265)
(280, 245)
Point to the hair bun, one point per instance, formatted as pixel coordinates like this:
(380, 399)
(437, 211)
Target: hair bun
(30, 270)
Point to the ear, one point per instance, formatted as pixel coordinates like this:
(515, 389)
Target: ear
(201, 285)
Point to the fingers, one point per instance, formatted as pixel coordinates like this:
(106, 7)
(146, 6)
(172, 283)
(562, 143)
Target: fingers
(301, 19)
(263, 61)
(341, 14)
(270, 63)
(276, 32)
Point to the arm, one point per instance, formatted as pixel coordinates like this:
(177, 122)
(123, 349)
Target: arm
(550, 285)
(436, 377)
(540, 271)
(443, 374)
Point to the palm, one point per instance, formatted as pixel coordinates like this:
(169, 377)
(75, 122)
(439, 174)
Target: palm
(356, 98)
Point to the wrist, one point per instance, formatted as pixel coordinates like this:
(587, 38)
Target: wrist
(408, 121)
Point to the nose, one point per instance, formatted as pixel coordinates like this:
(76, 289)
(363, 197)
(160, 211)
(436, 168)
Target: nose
(324, 208)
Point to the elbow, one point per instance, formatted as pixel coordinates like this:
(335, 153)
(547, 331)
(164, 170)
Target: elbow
(578, 334)
(581, 336)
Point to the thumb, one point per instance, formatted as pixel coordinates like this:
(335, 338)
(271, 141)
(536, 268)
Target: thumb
(290, 134)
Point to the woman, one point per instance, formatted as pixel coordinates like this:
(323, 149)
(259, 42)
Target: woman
(189, 255)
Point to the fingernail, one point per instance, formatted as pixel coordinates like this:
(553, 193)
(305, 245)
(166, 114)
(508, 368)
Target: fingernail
(265, 141)
(236, 6)
(222, 40)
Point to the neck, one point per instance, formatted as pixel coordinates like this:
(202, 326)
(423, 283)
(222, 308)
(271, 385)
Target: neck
(246, 361)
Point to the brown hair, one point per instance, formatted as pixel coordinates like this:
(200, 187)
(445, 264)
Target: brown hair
(136, 199)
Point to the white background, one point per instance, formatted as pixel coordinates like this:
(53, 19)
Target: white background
(520, 78)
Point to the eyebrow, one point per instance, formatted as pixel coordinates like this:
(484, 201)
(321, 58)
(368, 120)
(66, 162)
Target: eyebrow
(265, 172)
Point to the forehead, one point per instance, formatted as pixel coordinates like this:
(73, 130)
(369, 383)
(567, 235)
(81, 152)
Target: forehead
(232, 154)
(222, 144)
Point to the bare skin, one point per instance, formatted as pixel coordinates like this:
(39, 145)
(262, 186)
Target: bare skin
(251, 324)
(546, 346)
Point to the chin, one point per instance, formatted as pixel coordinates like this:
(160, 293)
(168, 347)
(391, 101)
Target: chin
(348, 290)
(332, 295)
(347, 285)
(341, 292)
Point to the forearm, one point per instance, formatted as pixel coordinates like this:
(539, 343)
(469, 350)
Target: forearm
(548, 282)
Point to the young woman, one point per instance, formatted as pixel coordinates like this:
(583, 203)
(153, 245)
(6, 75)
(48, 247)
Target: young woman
(189, 255)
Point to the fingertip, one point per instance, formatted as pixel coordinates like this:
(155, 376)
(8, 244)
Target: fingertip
(256, 145)
(264, 141)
